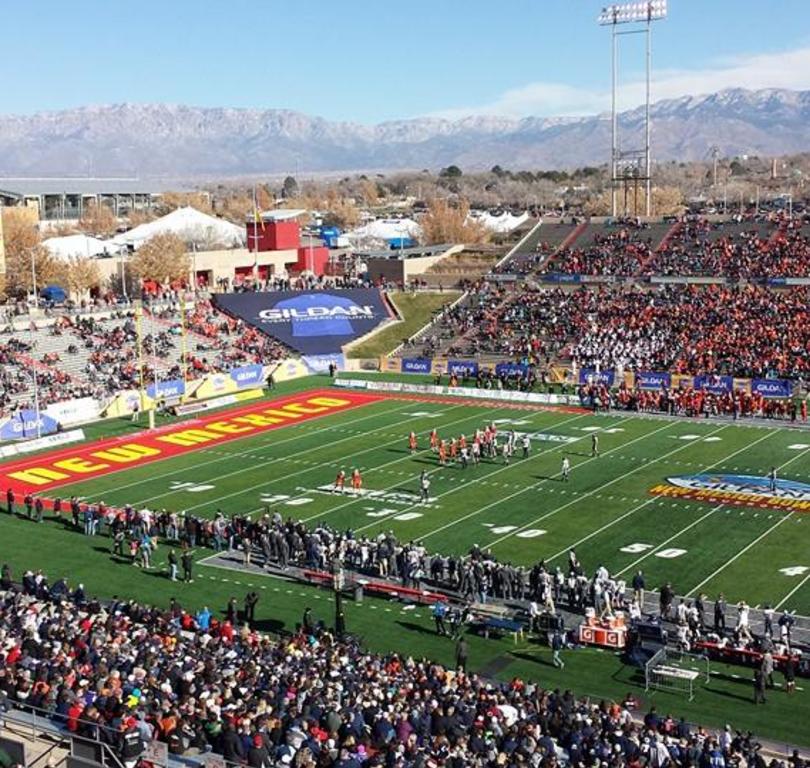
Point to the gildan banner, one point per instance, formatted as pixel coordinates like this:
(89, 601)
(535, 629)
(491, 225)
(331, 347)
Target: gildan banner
(311, 322)
(416, 365)
(248, 375)
(592, 376)
(717, 385)
(772, 387)
(462, 367)
(511, 369)
(169, 389)
(652, 380)
(321, 363)
(25, 423)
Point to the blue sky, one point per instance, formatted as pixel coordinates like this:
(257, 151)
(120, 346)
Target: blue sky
(370, 61)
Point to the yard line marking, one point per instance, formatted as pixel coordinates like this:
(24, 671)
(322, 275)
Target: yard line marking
(740, 553)
(756, 540)
(254, 466)
(792, 592)
(374, 448)
(227, 455)
(650, 501)
(433, 471)
(534, 486)
(642, 465)
(672, 538)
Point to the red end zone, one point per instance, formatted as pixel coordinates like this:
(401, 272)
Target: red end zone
(57, 468)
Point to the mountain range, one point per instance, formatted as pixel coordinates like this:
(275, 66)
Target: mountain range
(169, 141)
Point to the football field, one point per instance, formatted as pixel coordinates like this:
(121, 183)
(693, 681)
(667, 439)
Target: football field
(685, 501)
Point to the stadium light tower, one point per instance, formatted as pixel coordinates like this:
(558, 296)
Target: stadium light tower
(631, 165)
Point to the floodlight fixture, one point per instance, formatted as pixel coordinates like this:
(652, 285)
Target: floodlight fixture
(631, 13)
(626, 13)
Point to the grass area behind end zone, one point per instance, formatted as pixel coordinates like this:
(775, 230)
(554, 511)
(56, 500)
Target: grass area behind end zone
(416, 311)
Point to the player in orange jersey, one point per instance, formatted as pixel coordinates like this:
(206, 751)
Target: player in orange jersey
(442, 453)
(453, 449)
(340, 482)
(434, 440)
(412, 446)
(357, 480)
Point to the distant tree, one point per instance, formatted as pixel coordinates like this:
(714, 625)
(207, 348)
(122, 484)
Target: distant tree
(22, 244)
(99, 220)
(170, 201)
(445, 223)
(82, 275)
(370, 191)
(451, 172)
(289, 188)
(162, 258)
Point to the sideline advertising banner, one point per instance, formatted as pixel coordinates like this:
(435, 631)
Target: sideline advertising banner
(170, 389)
(321, 363)
(416, 365)
(214, 385)
(592, 376)
(463, 368)
(248, 375)
(511, 369)
(75, 411)
(781, 388)
(311, 322)
(652, 380)
(717, 385)
(26, 424)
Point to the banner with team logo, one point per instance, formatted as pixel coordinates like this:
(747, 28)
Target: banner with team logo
(311, 322)
(772, 387)
(463, 368)
(416, 365)
(592, 376)
(653, 380)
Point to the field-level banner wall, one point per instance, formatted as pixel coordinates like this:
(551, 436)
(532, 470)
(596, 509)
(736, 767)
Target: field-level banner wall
(48, 471)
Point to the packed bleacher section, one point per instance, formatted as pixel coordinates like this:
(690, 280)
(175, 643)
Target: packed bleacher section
(745, 331)
(738, 249)
(96, 355)
(620, 249)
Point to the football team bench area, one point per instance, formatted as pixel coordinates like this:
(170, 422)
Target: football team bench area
(730, 535)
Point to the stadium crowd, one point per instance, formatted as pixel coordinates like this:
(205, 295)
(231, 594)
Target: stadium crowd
(694, 247)
(126, 674)
(620, 250)
(745, 331)
(703, 248)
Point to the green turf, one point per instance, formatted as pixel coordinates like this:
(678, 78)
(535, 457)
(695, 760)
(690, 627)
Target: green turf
(522, 511)
(416, 311)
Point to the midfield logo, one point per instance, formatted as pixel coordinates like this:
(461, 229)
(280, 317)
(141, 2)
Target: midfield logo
(737, 490)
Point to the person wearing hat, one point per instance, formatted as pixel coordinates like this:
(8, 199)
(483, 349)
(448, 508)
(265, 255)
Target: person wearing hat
(258, 756)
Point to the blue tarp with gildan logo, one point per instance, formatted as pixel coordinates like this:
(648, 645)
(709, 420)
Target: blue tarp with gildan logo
(331, 325)
(310, 322)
